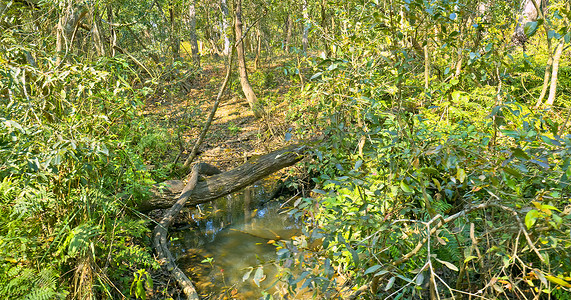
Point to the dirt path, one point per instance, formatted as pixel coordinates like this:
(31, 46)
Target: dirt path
(235, 134)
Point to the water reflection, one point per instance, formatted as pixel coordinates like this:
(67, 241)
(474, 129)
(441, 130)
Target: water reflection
(229, 237)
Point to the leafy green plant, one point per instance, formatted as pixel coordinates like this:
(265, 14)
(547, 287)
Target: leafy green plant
(141, 279)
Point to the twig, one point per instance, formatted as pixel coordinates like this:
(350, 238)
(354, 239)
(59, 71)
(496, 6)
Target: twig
(441, 222)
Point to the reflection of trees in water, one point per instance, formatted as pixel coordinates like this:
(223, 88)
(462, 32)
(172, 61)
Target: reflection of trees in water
(234, 231)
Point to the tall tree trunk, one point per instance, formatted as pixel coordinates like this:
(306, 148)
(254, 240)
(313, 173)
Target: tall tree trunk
(555, 69)
(66, 29)
(60, 39)
(246, 86)
(324, 26)
(175, 42)
(193, 42)
(304, 40)
(289, 26)
(224, 28)
(97, 40)
(112, 32)
(258, 44)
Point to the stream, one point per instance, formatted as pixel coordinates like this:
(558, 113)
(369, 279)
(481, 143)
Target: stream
(231, 236)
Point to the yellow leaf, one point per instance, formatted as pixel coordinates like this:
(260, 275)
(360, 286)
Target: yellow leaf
(558, 281)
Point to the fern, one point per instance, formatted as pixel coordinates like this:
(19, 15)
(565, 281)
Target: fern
(25, 283)
(451, 251)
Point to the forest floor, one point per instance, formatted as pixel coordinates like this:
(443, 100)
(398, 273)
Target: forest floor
(235, 134)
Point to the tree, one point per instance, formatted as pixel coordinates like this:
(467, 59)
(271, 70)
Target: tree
(192, 25)
(224, 27)
(255, 105)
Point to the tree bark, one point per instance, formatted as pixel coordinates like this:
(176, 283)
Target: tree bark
(112, 32)
(193, 42)
(324, 27)
(97, 39)
(175, 42)
(555, 69)
(246, 86)
(224, 28)
(305, 40)
(226, 183)
(289, 26)
(258, 45)
(66, 28)
(160, 232)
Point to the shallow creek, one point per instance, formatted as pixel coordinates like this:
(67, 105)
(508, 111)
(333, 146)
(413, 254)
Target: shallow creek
(230, 236)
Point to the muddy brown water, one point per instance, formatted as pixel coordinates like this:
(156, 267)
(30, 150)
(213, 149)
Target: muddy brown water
(230, 237)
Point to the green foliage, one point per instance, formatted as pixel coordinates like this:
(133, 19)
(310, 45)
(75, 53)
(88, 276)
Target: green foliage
(25, 283)
(141, 280)
(68, 165)
(400, 157)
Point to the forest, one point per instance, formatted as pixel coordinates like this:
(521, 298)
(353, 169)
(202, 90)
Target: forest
(410, 149)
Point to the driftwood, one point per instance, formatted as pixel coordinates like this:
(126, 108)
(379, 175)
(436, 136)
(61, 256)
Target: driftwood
(225, 183)
(161, 231)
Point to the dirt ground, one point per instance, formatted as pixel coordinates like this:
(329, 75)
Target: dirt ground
(234, 135)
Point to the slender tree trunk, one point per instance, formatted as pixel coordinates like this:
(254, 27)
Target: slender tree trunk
(112, 32)
(193, 42)
(66, 29)
(258, 45)
(60, 39)
(546, 77)
(97, 40)
(426, 66)
(175, 42)
(289, 26)
(246, 86)
(324, 26)
(555, 69)
(224, 28)
(304, 40)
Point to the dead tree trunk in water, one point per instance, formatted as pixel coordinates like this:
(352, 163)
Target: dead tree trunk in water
(225, 183)
(161, 231)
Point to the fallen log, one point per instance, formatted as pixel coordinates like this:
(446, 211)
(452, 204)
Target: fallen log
(225, 183)
(161, 231)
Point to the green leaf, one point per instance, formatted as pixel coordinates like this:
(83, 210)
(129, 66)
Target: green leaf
(513, 172)
(358, 164)
(372, 269)
(390, 283)
(469, 258)
(405, 187)
(461, 175)
(517, 152)
(247, 275)
(381, 272)
(449, 265)
(316, 75)
(558, 281)
(429, 170)
(530, 28)
(531, 217)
